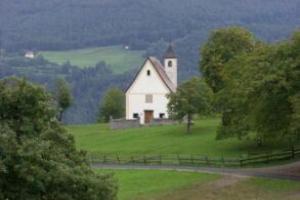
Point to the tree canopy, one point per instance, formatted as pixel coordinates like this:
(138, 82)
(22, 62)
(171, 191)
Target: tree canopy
(260, 92)
(222, 46)
(62, 96)
(113, 105)
(38, 158)
(192, 97)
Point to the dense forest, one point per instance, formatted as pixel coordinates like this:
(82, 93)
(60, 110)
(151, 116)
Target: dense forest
(148, 25)
(87, 85)
(68, 24)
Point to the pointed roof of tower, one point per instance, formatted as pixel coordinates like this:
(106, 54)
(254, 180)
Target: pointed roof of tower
(170, 53)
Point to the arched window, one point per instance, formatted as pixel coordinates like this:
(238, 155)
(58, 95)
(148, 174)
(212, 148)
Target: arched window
(170, 64)
(148, 72)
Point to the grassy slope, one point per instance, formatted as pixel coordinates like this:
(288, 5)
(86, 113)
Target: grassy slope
(119, 59)
(140, 184)
(248, 189)
(98, 138)
(171, 185)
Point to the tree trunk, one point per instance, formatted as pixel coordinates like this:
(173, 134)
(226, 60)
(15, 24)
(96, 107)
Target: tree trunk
(189, 122)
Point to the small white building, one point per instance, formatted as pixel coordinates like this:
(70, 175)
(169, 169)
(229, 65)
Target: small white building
(146, 96)
(29, 55)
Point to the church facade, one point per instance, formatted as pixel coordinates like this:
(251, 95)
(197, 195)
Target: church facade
(146, 96)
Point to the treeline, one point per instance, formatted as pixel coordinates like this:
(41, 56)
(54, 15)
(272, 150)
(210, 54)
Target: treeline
(69, 24)
(74, 23)
(256, 85)
(87, 85)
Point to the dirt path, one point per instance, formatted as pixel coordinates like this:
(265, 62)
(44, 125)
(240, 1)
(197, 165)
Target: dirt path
(288, 171)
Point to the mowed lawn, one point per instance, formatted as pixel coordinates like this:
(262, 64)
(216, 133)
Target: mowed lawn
(99, 139)
(140, 184)
(172, 185)
(118, 58)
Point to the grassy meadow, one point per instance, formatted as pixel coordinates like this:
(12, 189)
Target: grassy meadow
(99, 139)
(172, 185)
(138, 184)
(118, 58)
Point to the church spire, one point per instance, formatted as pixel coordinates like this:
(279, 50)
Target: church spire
(170, 53)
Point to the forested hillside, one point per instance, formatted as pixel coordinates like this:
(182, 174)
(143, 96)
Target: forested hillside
(87, 85)
(65, 24)
(69, 24)
(145, 25)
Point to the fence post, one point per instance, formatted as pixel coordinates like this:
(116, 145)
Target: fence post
(207, 160)
(104, 158)
(178, 159)
(145, 160)
(118, 159)
(241, 160)
(160, 159)
(222, 160)
(192, 159)
(132, 159)
(293, 152)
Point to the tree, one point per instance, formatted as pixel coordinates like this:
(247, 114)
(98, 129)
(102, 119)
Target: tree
(113, 105)
(222, 46)
(38, 158)
(63, 97)
(192, 97)
(261, 93)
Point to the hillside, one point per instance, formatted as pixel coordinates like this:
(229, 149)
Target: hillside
(57, 28)
(70, 24)
(117, 58)
(99, 139)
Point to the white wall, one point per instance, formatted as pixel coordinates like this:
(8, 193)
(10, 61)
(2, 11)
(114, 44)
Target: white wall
(143, 85)
(171, 71)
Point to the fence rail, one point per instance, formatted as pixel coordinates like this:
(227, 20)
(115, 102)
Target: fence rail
(196, 160)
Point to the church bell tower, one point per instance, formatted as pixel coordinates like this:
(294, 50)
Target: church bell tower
(170, 64)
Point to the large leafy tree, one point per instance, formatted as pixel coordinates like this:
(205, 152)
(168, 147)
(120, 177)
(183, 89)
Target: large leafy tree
(261, 93)
(38, 158)
(222, 46)
(113, 105)
(192, 97)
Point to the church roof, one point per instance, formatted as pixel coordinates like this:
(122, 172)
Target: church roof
(161, 72)
(170, 53)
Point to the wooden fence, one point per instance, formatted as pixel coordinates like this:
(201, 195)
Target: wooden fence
(196, 160)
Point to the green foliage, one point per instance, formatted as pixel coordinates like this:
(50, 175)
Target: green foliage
(63, 97)
(192, 97)
(113, 105)
(222, 46)
(25, 108)
(38, 158)
(90, 83)
(261, 93)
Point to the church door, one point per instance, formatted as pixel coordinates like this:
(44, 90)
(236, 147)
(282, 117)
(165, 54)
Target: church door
(148, 116)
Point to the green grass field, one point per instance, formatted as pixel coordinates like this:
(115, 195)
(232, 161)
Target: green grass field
(98, 138)
(138, 184)
(171, 185)
(118, 58)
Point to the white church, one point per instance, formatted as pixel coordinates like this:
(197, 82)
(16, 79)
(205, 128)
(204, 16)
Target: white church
(146, 96)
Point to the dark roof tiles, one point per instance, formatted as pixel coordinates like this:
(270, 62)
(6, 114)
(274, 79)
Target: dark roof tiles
(170, 53)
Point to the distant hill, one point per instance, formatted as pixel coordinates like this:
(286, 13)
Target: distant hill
(142, 25)
(69, 24)
(117, 58)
